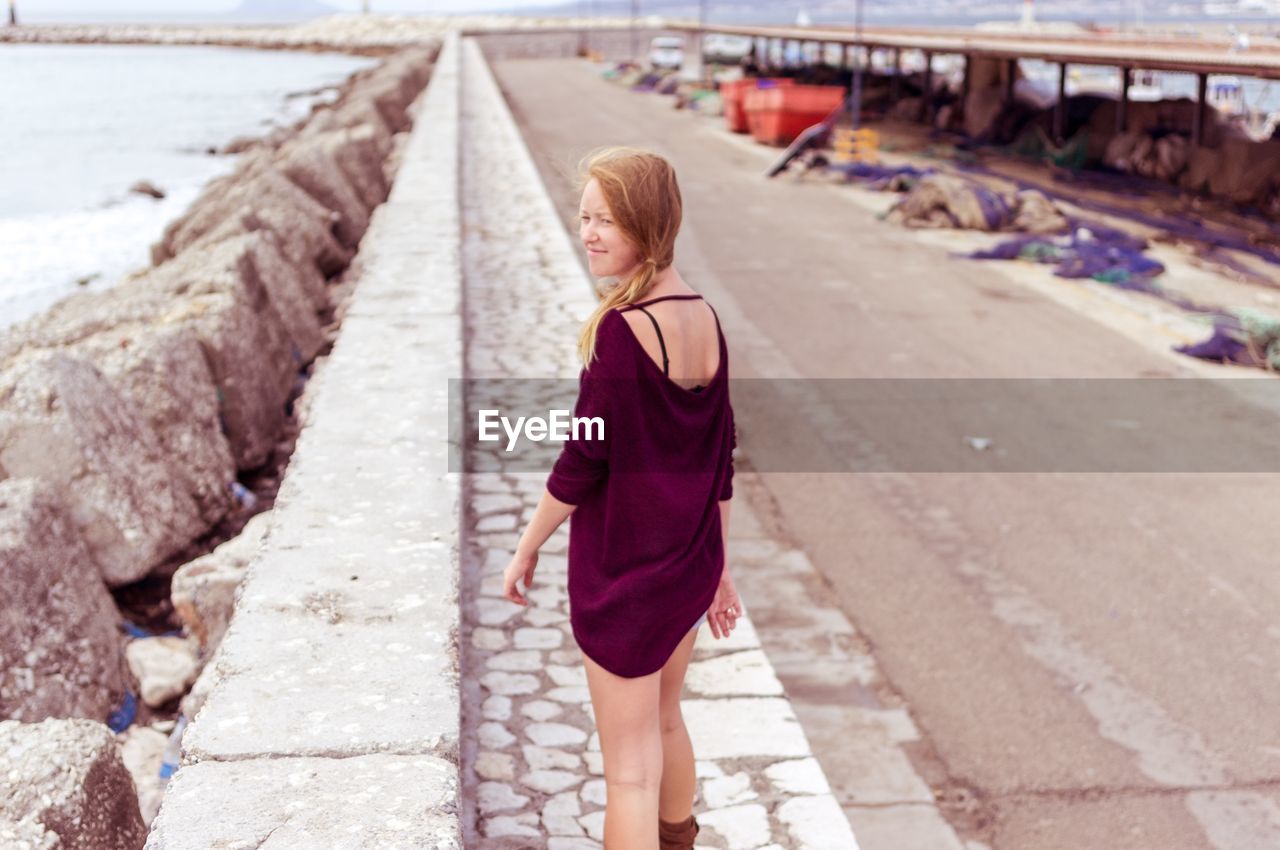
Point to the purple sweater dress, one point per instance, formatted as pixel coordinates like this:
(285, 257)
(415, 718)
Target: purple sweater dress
(645, 547)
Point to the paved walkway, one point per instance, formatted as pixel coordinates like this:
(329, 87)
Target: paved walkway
(532, 770)
(1061, 702)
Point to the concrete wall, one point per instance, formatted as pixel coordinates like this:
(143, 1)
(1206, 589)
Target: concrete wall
(614, 44)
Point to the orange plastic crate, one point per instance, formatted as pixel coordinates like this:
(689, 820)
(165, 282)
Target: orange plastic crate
(731, 94)
(775, 116)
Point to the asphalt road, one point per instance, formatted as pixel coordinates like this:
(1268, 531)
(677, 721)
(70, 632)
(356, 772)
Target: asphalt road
(1094, 658)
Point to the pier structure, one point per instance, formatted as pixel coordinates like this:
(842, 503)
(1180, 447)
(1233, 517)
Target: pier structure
(1199, 57)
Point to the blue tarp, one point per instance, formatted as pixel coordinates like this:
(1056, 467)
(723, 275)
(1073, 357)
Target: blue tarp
(122, 716)
(1088, 251)
(881, 177)
(1241, 336)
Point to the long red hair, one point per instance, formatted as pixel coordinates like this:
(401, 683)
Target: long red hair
(644, 199)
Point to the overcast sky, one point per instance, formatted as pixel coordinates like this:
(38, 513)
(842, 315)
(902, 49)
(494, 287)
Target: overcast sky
(200, 7)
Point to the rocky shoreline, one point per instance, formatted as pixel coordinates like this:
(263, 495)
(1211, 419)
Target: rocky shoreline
(143, 424)
(362, 34)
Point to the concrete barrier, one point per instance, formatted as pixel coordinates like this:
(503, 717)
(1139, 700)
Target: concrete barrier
(334, 716)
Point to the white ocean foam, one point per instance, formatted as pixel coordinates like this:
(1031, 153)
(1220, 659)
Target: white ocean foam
(48, 254)
(93, 120)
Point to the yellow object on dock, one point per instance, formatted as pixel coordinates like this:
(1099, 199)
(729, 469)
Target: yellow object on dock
(851, 145)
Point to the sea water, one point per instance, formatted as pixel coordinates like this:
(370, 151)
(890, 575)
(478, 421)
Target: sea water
(81, 124)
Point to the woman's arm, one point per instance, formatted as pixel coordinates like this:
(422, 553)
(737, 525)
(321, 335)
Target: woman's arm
(726, 606)
(724, 530)
(547, 517)
(545, 520)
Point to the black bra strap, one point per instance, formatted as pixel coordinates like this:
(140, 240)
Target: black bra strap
(660, 340)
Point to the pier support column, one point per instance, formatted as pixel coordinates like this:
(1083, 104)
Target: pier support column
(1011, 76)
(1060, 108)
(964, 86)
(13, 13)
(927, 97)
(635, 52)
(1197, 120)
(895, 84)
(1122, 108)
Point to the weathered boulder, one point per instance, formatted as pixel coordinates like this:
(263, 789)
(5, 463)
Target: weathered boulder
(163, 371)
(26, 835)
(392, 90)
(146, 187)
(257, 196)
(60, 643)
(243, 307)
(360, 156)
(66, 776)
(310, 163)
(382, 98)
(251, 310)
(222, 294)
(297, 296)
(413, 65)
(142, 751)
(296, 191)
(61, 420)
(203, 590)
(355, 110)
(164, 666)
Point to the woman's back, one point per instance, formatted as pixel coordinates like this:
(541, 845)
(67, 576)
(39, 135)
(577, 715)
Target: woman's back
(645, 543)
(680, 334)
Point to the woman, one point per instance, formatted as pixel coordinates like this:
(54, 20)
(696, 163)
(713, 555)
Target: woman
(649, 497)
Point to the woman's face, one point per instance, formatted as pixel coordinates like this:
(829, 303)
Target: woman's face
(609, 253)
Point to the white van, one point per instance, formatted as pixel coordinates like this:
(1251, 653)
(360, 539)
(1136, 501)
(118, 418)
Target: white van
(666, 51)
(726, 49)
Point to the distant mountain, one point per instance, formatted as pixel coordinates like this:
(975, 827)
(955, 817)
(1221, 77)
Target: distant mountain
(281, 10)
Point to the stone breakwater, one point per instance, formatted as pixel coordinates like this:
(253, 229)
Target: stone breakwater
(332, 712)
(346, 33)
(127, 415)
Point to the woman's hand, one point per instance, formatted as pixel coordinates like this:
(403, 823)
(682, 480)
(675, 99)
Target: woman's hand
(521, 566)
(725, 608)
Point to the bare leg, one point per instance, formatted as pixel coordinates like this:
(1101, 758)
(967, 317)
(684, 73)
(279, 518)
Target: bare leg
(626, 713)
(679, 780)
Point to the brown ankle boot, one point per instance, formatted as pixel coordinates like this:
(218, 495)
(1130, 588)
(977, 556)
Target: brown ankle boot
(677, 836)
